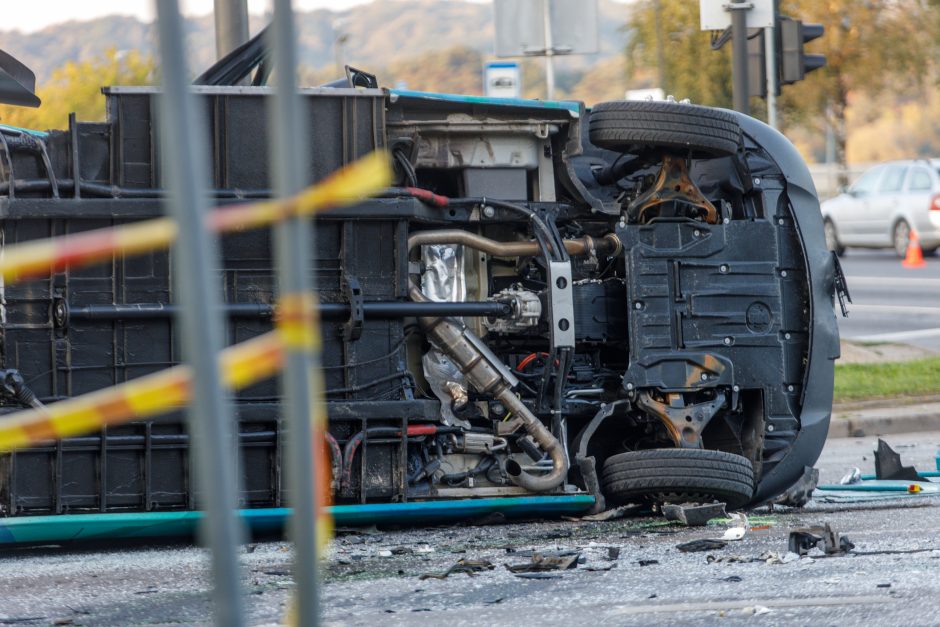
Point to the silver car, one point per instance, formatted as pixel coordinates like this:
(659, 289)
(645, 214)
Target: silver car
(881, 208)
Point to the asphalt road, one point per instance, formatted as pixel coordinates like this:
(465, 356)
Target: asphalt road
(373, 577)
(891, 303)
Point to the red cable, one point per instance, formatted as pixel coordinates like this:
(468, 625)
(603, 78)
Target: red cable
(528, 359)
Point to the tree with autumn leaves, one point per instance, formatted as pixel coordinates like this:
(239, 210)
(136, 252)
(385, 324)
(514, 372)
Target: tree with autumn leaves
(871, 47)
(76, 86)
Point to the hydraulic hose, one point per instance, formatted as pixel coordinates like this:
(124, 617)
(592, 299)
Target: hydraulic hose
(491, 377)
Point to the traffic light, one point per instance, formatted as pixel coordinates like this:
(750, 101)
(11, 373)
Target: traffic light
(793, 62)
(756, 64)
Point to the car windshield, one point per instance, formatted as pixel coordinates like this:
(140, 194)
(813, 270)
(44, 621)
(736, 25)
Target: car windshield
(866, 184)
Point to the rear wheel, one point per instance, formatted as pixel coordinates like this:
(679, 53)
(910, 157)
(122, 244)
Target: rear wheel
(901, 237)
(832, 238)
(628, 125)
(678, 475)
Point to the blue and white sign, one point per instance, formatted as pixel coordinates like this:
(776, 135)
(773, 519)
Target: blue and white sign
(502, 79)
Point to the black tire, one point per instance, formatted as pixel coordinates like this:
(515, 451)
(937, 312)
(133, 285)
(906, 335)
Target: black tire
(832, 238)
(900, 238)
(678, 475)
(625, 125)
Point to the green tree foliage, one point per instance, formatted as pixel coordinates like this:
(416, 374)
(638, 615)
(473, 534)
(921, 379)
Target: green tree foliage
(871, 46)
(77, 87)
(665, 44)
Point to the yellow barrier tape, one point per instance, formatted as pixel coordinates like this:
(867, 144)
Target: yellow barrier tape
(242, 365)
(37, 259)
(295, 321)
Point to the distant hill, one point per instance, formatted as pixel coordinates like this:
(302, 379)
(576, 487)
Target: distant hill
(381, 34)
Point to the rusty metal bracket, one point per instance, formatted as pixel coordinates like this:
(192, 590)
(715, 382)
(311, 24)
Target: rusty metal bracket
(672, 184)
(352, 330)
(684, 423)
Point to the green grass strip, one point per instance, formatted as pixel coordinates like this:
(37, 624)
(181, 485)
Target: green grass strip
(855, 382)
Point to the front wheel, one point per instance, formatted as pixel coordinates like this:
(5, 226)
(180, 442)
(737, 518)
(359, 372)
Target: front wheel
(901, 238)
(678, 475)
(832, 238)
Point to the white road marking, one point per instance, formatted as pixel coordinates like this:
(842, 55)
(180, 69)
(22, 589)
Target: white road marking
(899, 336)
(911, 309)
(891, 281)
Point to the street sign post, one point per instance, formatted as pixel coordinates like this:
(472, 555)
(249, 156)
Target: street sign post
(545, 28)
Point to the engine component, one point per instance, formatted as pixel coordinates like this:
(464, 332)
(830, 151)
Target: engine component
(491, 377)
(478, 443)
(526, 311)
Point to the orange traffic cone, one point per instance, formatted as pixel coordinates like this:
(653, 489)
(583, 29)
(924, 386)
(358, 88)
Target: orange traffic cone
(915, 256)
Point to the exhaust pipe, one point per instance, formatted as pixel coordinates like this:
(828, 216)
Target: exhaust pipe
(490, 376)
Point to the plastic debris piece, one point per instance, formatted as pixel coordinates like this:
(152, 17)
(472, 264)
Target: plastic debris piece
(647, 562)
(697, 546)
(801, 541)
(772, 557)
(542, 563)
(693, 514)
(738, 527)
(888, 464)
(470, 567)
(851, 477)
(613, 552)
(615, 513)
(757, 610)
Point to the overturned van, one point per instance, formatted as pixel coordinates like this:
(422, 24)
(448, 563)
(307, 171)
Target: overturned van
(632, 302)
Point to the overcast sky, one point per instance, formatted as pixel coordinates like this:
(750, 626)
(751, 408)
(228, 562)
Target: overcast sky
(31, 15)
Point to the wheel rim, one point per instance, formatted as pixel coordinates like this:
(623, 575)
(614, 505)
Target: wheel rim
(902, 236)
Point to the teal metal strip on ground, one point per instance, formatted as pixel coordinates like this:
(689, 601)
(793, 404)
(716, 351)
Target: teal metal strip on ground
(923, 475)
(569, 105)
(69, 527)
(418, 512)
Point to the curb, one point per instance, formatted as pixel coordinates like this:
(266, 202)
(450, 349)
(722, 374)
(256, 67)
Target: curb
(884, 421)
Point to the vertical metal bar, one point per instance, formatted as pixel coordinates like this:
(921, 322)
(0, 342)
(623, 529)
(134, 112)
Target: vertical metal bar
(739, 55)
(549, 50)
(770, 56)
(231, 25)
(76, 164)
(200, 317)
(295, 248)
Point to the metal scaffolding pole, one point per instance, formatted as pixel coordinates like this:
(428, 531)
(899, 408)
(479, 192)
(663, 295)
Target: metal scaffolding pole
(200, 317)
(295, 248)
(231, 25)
